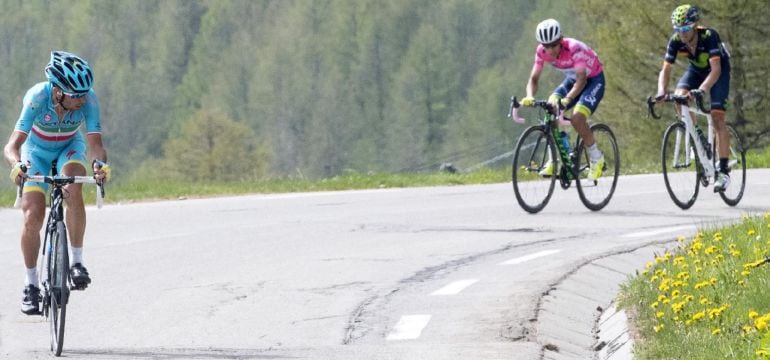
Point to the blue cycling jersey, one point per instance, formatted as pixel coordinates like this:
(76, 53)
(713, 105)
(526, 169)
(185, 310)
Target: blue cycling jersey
(50, 138)
(39, 121)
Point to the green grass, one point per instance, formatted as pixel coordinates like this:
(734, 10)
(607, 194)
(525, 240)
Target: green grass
(707, 299)
(169, 189)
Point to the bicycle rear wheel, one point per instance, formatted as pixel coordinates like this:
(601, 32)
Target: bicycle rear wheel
(736, 159)
(529, 158)
(596, 194)
(58, 282)
(681, 168)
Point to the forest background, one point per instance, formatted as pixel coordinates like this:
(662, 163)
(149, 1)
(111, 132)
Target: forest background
(244, 90)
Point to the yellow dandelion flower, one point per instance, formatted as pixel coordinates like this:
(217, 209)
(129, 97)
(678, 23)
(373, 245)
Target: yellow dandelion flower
(654, 305)
(681, 239)
(741, 283)
(658, 328)
(716, 331)
(713, 281)
(704, 301)
(659, 314)
(699, 315)
(661, 297)
(760, 352)
(760, 323)
(751, 232)
(753, 314)
(745, 273)
(648, 265)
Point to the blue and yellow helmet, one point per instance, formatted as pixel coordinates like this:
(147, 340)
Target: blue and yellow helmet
(684, 15)
(69, 72)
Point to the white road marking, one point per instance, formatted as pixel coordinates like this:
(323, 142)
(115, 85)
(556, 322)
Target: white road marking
(659, 231)
(455, 287)
(529, 257)
(408, 327)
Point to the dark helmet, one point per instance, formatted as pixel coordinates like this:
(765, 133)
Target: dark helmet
(69, 72)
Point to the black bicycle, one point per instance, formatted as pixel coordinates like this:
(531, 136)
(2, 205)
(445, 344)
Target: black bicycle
(54, 264)
(543, 145)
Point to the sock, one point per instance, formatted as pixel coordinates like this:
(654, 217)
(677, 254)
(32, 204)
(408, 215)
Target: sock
(594, 152)
(723, 166)
(32, 277)
(77, 255)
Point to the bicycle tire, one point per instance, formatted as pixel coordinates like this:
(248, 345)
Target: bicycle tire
(530, 155)
(596, 194)
(59, 287)
(680, 165)
(737, 157)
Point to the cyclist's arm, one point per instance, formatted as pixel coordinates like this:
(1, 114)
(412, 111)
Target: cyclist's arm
(580, 83)
(96, 147)
(11, 149)
(534, 77)
(664, 77)
(716, 70)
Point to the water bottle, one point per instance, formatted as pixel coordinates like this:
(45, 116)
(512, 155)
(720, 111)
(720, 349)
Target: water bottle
(704, 142)
(565, 141)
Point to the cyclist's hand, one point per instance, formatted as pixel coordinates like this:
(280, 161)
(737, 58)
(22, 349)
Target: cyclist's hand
(19, 170)
(528, 101)
(102, 170)
(554, 100)
(696, 93)
(661, 98)
(564, 102)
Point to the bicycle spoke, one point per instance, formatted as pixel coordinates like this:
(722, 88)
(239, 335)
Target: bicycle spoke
(596, 193)
(737, 164)
(530, 157)
(681, 170)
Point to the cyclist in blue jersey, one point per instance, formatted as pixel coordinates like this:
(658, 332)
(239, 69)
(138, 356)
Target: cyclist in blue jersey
(48, 130)
(709, 72)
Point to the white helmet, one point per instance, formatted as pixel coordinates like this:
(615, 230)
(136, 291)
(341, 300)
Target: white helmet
(548, 31)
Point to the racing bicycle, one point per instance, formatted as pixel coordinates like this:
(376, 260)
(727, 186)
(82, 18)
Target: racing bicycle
(543, 142)
(689, 157)
(54, 264)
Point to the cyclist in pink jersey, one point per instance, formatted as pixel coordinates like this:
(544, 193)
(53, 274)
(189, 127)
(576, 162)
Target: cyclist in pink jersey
(582, 88)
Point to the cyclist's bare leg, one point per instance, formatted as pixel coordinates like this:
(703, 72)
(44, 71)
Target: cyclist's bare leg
(722, 135)
(580, 123)
(75, 215)
(680, 92)
(33, 207)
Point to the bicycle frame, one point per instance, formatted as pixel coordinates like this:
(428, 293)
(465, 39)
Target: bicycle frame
(704, 156)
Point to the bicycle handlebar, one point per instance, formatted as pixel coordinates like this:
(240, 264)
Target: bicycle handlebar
(60, 180)
(679, 99)
(545, 105)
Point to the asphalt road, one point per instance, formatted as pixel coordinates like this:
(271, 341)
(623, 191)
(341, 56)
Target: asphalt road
(455, 272)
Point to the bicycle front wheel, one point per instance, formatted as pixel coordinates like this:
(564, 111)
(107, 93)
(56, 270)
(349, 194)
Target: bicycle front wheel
(58, 281)
(736, 159)
(596, 193)
(681, 168)
(533, 152)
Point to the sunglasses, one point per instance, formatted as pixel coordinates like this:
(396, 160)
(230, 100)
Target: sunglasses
(551, 45)
(685, 28)
(74, 96)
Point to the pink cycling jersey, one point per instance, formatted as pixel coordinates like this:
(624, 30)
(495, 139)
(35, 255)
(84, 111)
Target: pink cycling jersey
(574, 56)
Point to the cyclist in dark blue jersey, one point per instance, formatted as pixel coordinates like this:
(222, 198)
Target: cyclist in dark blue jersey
(708, 72)
(48, 130)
